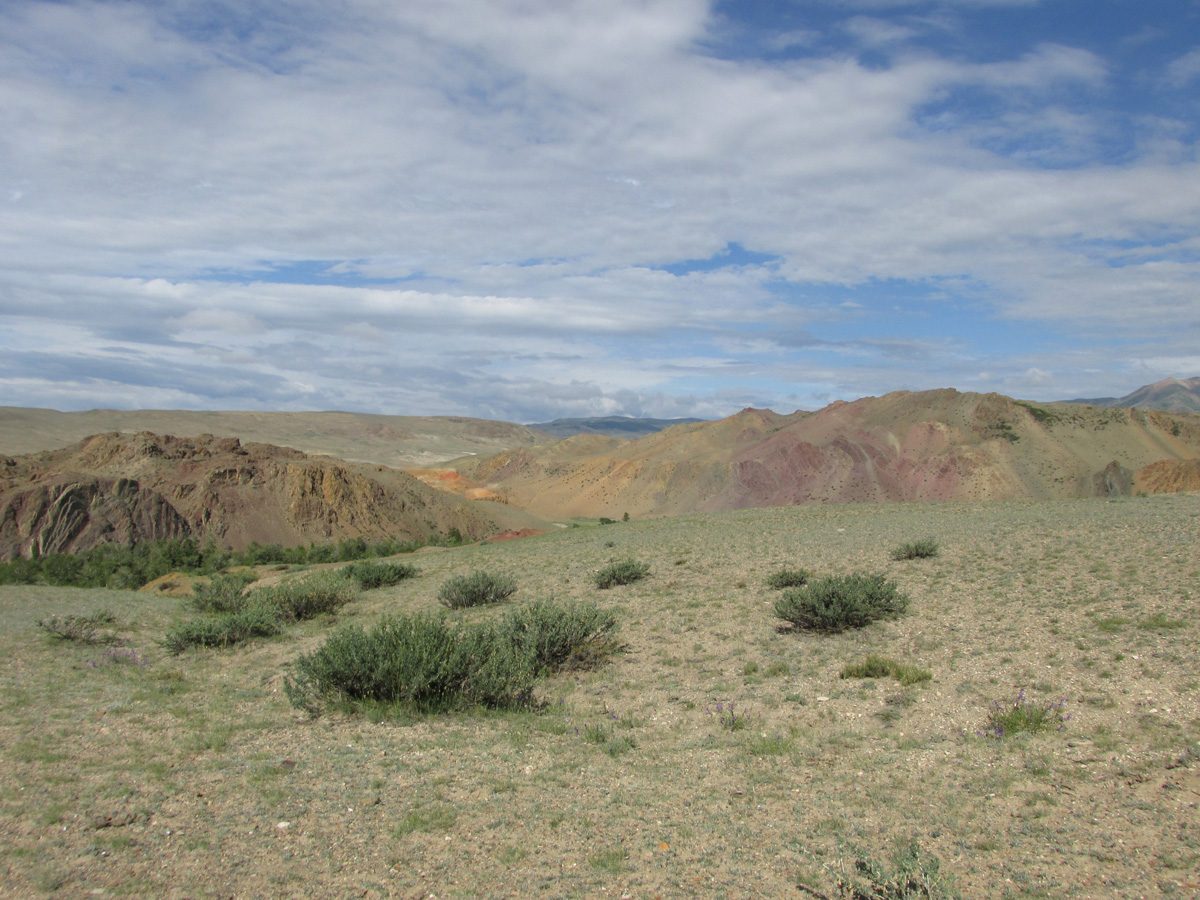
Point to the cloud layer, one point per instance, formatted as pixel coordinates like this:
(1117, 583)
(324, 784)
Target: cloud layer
(533, 209)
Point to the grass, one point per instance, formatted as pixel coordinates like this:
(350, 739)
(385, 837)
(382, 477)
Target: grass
(476, 589)
(206, 756)
(618, 573)
(925, 548)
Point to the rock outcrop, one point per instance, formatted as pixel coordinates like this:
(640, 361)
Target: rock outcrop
(134, 488)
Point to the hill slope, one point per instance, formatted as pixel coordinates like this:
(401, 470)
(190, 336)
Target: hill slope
(397, 441)
(129, 488)
(932, 445)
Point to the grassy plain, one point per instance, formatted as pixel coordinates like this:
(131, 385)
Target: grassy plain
(718, 756)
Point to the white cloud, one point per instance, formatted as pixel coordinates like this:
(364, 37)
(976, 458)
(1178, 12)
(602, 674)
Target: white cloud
(531, 166)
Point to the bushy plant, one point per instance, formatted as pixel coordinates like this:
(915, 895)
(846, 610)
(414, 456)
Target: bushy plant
(253, 620)
(883, 667)
(625, 572)
(476, 589)
(835, 603)
(557, 637)
(913, 875)
(1023, 715)
(377, 575)
(788, 578)
(430, 664)
(84, 629)
(308, 597)
(922, 549)
(222, 593)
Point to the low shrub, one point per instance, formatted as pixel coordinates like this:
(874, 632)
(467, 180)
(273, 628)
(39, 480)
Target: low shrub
(788, 578)
(253, 620)
(913, 875)
(922, 549)
(429, 664)
(476, 589)
(222, 594)
(835, 603)
(557, 637)
(1023, 715)
(882, 667)
(625, 572)
(84, 629)
(304, 598)
(377, 575)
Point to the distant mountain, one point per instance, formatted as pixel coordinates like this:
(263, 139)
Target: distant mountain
(931, 445)
(397, 441)
(1168, 395)
(609, 426)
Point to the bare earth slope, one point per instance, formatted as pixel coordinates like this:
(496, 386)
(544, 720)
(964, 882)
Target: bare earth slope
(932, 445)
(125, 488)
(397, 441)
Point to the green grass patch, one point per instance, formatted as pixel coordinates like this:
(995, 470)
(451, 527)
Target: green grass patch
(788, 578)
(476, 589)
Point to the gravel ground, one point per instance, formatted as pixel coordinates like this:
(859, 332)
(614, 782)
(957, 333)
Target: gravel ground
(720, 755)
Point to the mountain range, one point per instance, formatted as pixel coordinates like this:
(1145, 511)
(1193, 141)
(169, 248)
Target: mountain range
(1168, 395)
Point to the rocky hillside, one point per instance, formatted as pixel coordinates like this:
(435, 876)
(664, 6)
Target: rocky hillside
(932, 445)
(127, 488)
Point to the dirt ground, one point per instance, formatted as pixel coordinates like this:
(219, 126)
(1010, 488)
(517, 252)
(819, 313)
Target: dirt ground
(719, 756)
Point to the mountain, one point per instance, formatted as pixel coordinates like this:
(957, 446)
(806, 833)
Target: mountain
(120, 488)
(1168, 395)
(396, 441)
(931, 445)
(611, 426)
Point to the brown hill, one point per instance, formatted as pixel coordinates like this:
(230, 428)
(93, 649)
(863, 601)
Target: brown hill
(396, 441)
(125, 488)
(933, 445)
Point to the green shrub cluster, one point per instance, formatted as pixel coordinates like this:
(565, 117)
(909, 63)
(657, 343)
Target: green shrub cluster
(377, 575)
(625, 572)
(476, 589)
(430, 664)
(130, 567)
(235, 618)
(788, 578)
(222, 593)
(835, 603)
(922, 549)
(1023, 715)
(84, 629)
(883, 667)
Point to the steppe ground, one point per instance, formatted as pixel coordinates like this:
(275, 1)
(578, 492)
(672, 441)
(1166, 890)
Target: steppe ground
(127, 772)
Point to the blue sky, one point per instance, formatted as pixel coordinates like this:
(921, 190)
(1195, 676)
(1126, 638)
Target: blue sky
(525, 210)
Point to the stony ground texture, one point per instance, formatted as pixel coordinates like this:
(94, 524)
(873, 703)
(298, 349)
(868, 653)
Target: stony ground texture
(126, 772)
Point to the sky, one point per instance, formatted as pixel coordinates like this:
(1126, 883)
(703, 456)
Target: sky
(531, 209)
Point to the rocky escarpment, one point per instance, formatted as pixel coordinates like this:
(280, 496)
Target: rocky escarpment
(134, 488)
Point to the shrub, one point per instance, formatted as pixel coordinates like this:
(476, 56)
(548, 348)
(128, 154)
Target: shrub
(882, 667)
(1023, 715)
(419, 661)
(430, 665)
(254, 620)
(306, 598)
(922, 549)
(85, 629)
(788, 578)
(377, 575)
(476, 589)
(836, 603)
(222, 593)
(625, 572)
(913, 875)
(556, 637)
